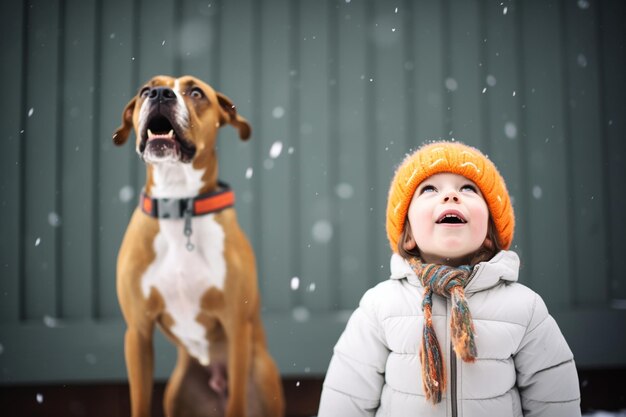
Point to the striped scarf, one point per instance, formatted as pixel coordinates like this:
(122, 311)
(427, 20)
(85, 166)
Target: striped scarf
(445, 281)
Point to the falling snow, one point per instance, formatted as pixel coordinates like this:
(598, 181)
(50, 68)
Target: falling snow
(31, 111)
(276, 149)
(322, 231)
(37, 241)
(50, 321)
(53, 219)
(451, 84)
(126, 193)
(278, 112)
(537, 192)
(91, 359)
(249, 173)
(39, 398)
(301, 314)
(344, 191)
(295, 283)
(510, 130)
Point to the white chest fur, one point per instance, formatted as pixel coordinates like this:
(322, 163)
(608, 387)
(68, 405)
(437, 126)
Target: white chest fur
(182, 276)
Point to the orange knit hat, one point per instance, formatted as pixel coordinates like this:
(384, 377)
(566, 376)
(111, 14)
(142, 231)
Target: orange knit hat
(456, 158)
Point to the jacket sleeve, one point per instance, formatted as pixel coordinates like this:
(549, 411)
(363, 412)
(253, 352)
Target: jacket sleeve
(355, 376)
(546, 373)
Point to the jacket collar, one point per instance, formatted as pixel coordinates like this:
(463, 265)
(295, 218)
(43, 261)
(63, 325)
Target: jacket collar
(502, 267)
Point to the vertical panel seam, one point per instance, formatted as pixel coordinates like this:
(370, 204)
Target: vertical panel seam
(95, 160)
(569, 153)
(524, 199)
(294, 122)
(485, 107)
(177, 23)
(411, 115)
(447, 68)
(257, 93)
(370, 110)
(217, 29)
(136, 19)
(21, 241)
(605, 171)
(58, 174)
(333, 168)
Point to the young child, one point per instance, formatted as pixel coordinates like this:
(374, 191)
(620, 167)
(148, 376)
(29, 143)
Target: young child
(451, 333)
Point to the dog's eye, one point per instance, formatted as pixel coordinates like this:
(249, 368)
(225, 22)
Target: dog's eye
(196, 93)
(144, 92)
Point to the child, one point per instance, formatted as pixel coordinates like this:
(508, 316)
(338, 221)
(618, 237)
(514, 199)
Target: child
(451, 333)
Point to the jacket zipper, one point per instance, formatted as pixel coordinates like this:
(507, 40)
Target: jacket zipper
(453, 393)
(453, 388)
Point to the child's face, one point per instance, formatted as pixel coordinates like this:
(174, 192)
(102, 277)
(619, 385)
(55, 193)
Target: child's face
(448, 217)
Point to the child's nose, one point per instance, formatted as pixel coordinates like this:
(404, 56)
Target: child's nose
(451, 196)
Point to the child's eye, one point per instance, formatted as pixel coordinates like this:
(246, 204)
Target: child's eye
(469, 187)
(427, 188)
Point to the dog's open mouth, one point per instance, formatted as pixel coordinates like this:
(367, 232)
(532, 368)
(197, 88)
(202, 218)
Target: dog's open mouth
(161, 142)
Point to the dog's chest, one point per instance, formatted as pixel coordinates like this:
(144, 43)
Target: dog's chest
(182, 276)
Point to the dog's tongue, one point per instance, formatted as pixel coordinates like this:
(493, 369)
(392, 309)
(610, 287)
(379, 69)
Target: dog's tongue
(169, 135)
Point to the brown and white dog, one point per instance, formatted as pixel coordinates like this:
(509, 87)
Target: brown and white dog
(186, 265)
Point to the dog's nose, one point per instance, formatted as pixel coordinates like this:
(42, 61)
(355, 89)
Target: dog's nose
(162, 94)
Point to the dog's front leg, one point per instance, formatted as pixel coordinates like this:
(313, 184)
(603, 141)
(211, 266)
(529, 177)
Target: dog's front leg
(239, 360)
(140, 365)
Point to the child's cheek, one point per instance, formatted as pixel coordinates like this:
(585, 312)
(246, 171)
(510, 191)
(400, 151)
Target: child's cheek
(480, 221)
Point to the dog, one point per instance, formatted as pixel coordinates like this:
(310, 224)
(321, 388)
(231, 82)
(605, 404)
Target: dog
(185, 264)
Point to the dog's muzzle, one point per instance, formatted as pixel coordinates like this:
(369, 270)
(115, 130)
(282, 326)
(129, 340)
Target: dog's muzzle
(162, 137)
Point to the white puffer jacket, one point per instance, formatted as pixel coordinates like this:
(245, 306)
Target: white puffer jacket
(524, 365)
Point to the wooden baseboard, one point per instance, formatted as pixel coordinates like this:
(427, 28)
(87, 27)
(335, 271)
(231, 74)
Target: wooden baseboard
(601, 389)
(112, 400)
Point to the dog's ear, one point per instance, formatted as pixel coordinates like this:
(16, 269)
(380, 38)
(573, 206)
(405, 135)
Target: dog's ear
(228, 114)
(121, 134)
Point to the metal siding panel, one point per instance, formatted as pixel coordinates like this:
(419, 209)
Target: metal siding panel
(317, 226)
(275, 212)
(465, 84)
(503, 108)
(40, 354)
(156, 54)
(292, 75)
(41, 153)
(196, 41)
(388, 83)
(11, 161)
(77, 193)
(613, 61)
(548, 267)
(583, 105)
(353, 234)
(237, 75)
(429, 72)
(117, 194)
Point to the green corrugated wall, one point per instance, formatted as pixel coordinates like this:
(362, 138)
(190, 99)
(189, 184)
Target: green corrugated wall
(347, 87)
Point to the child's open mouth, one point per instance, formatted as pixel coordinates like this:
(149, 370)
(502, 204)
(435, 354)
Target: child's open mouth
(451, 218)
